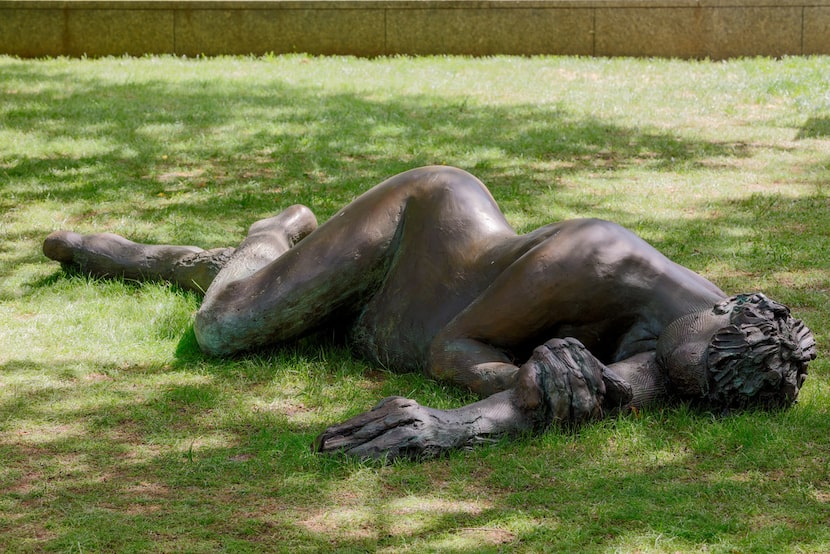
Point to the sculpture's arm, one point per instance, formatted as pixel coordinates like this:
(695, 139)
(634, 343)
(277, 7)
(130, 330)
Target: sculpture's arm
(401, 428)
(561, 384)
(645, 377)
(473, 364)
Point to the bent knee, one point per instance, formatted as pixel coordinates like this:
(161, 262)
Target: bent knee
(217, 332)
(293, 224)
(595, 232)
(232, 320)
(208, 333)
(60, 246)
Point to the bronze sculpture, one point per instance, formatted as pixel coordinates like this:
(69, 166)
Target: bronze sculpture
(570, 322)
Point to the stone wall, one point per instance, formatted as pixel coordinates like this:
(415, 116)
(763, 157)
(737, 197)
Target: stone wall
(669, 28)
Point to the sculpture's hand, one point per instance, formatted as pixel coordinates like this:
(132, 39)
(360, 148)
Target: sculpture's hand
(576, 387)
(397, 428)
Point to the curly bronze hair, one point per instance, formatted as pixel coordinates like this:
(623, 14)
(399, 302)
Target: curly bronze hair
(760, 358)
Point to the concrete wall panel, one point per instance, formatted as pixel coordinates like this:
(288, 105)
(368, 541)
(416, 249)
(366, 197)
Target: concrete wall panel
(32, 35)
(487, 31)
(755, 31)
(671, 28)
(95, 32)
(698, 32)
(260, 31)
(817, 30)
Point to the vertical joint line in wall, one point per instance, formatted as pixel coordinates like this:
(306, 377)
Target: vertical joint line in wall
(803, 10)
(66, 38)
(175, 20)
(593, 31)
(385, 32)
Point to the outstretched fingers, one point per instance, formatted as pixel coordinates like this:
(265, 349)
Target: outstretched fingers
(388, 414)
(396, 428)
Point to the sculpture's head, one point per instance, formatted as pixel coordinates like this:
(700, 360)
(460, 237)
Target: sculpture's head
(745, 351)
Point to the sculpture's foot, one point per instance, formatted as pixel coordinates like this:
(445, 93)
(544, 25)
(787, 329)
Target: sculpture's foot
(62, 245)
(298, 222)
(281, 231)
(396, 428)
(109, 255)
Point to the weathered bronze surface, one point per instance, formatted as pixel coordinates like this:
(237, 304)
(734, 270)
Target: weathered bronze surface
(572, 322)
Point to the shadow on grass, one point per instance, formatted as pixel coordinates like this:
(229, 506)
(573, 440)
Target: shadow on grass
(815, 127)
(199, 161)
(136, 472)
(196, 150)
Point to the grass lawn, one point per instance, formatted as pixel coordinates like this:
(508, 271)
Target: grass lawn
(117, 434)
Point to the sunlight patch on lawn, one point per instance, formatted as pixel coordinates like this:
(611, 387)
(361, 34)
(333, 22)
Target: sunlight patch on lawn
(822, 495)
(467, 539)
(164, 132)
(406, 516)
(41, 433)
(343, 523)
(19, 377)
(423, 504)
(204, 443)
(39, 145)
(290, 407)
(651, 542)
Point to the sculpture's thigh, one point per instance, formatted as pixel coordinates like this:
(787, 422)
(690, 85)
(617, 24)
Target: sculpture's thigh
(335, 271)
(321, 279)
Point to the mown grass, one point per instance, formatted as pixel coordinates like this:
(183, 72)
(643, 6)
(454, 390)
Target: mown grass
(116, 434)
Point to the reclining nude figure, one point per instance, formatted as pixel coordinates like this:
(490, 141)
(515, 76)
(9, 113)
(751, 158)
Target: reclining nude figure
(572, 322)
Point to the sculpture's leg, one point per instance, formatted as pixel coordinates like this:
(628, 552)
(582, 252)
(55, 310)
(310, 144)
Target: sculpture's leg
(262, 298)
(562, 384)
(335, 272)
(267, 240)
(109, 255)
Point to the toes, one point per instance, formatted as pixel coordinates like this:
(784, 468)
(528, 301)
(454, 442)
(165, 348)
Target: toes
(398, 443)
